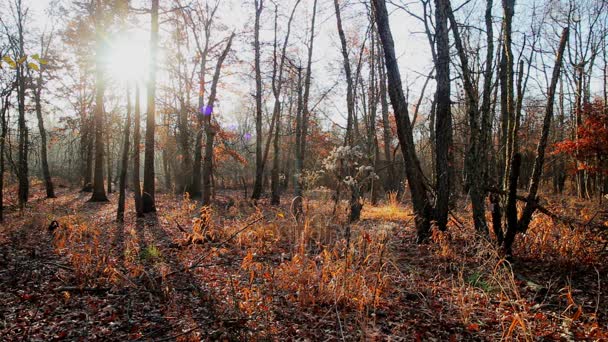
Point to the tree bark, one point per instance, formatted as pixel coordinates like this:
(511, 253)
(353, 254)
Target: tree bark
(50, 192)
(350, 100)
(415, 177)
(99, 192)
(120, 212)
(302, 123)
(209, 130)
(529, 209)
(277, 86)
(136, 155)
(259, 160)
(443, 119)
(148, 196)
(475, 154)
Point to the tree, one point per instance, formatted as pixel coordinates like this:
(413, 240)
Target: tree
(209, 129)
(590, 147)
(350, 100)
(415, 177)
(99, 192)
(137, 197)
(120, 212)
(521, 225)
(302, 122)
(148, 196)
(50, 192)
(206, 18)
(277, 85)
(443, 115)
(259, 160)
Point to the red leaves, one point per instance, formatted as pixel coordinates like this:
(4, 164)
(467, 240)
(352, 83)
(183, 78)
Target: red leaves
(590, 146)
(473, 327)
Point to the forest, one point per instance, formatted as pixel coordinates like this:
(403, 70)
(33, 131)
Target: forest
(304, 170)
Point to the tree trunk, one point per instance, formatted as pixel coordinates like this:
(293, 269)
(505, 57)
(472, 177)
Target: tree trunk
(302, 121)
(109, 156)
(148, 196)
(530, 207)
(120, 212)
(99, 192)
(415, 177)
(209, 130)
(50, 192)
(507, 83)
(443, 119)
(350, 100)
(475, 154)
(4, 125)
(259, 161)
(390, 184)
(136, 155)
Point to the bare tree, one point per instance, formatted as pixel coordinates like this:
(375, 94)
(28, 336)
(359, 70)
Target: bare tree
(136, 155)
(120, 213)
(522, 224)
(148, 200)
(277, 86)
(259, 160)
(209, 130)
(443, 115)
(99, 192)
(350, 98)
(421, 204)
(39, 85)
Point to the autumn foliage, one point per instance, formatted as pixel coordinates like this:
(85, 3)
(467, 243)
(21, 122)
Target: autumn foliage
(590, 146)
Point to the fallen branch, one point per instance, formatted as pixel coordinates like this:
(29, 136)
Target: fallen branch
(78, 289)
(64, 267)
(564, 219)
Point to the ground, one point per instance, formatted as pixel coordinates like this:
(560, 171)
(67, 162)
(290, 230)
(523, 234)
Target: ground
(240, 272)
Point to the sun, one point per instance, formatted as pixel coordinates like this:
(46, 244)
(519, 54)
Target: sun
(127, 59)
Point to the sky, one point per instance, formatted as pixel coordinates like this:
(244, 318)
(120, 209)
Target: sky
(411, 46)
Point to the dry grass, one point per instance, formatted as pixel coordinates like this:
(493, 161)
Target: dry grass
(392, 210)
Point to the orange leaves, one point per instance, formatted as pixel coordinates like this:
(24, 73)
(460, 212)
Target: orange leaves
(590, 146)
(473, 327)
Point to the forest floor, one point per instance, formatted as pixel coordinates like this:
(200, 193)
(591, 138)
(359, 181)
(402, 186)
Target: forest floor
(239, 272)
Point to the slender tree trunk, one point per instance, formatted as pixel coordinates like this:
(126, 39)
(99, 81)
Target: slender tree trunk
(275, 198)
(109, 156)
(443, 120)
(120, 213)
(390, 184)
(136, 155)
(4, 125)
(350, 99)
(259, 161)
(99, 192)
(302, 121)
(475, 153)
(507, 83)
(88, 150)
(22, 164)
(50, 192)
(297, 173)
(277, 86)
(209, 129)
(148, 196)
(415, 177)
(530, 207)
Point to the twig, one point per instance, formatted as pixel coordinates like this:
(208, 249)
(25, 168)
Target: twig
(81, 289)
(199, 261)
(599, 291)
(67, 268)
